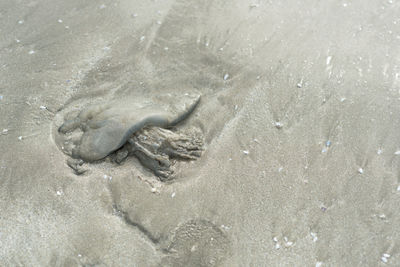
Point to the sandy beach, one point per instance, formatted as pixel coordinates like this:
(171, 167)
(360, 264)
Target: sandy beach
(284, 118)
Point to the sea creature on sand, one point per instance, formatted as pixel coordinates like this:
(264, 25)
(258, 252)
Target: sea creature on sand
(156, 148)
(138, 123)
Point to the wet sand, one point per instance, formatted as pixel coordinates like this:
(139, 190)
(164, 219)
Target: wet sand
(299, 112)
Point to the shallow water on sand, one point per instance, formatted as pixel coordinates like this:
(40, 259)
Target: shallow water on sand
(299, 111)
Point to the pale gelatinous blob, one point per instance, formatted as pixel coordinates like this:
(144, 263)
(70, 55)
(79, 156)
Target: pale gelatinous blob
(108, 126)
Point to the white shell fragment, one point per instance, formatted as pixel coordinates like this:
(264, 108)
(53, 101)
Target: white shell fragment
(278, 125)
(314, 236)
(289, 243)
(328, 60)
(225, 227)
(105, 176)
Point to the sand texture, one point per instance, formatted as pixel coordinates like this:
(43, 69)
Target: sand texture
(199, 133)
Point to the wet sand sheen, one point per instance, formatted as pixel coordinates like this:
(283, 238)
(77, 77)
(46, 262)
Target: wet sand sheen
(299, 113)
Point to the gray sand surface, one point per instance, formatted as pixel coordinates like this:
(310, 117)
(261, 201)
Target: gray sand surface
(300, 113)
